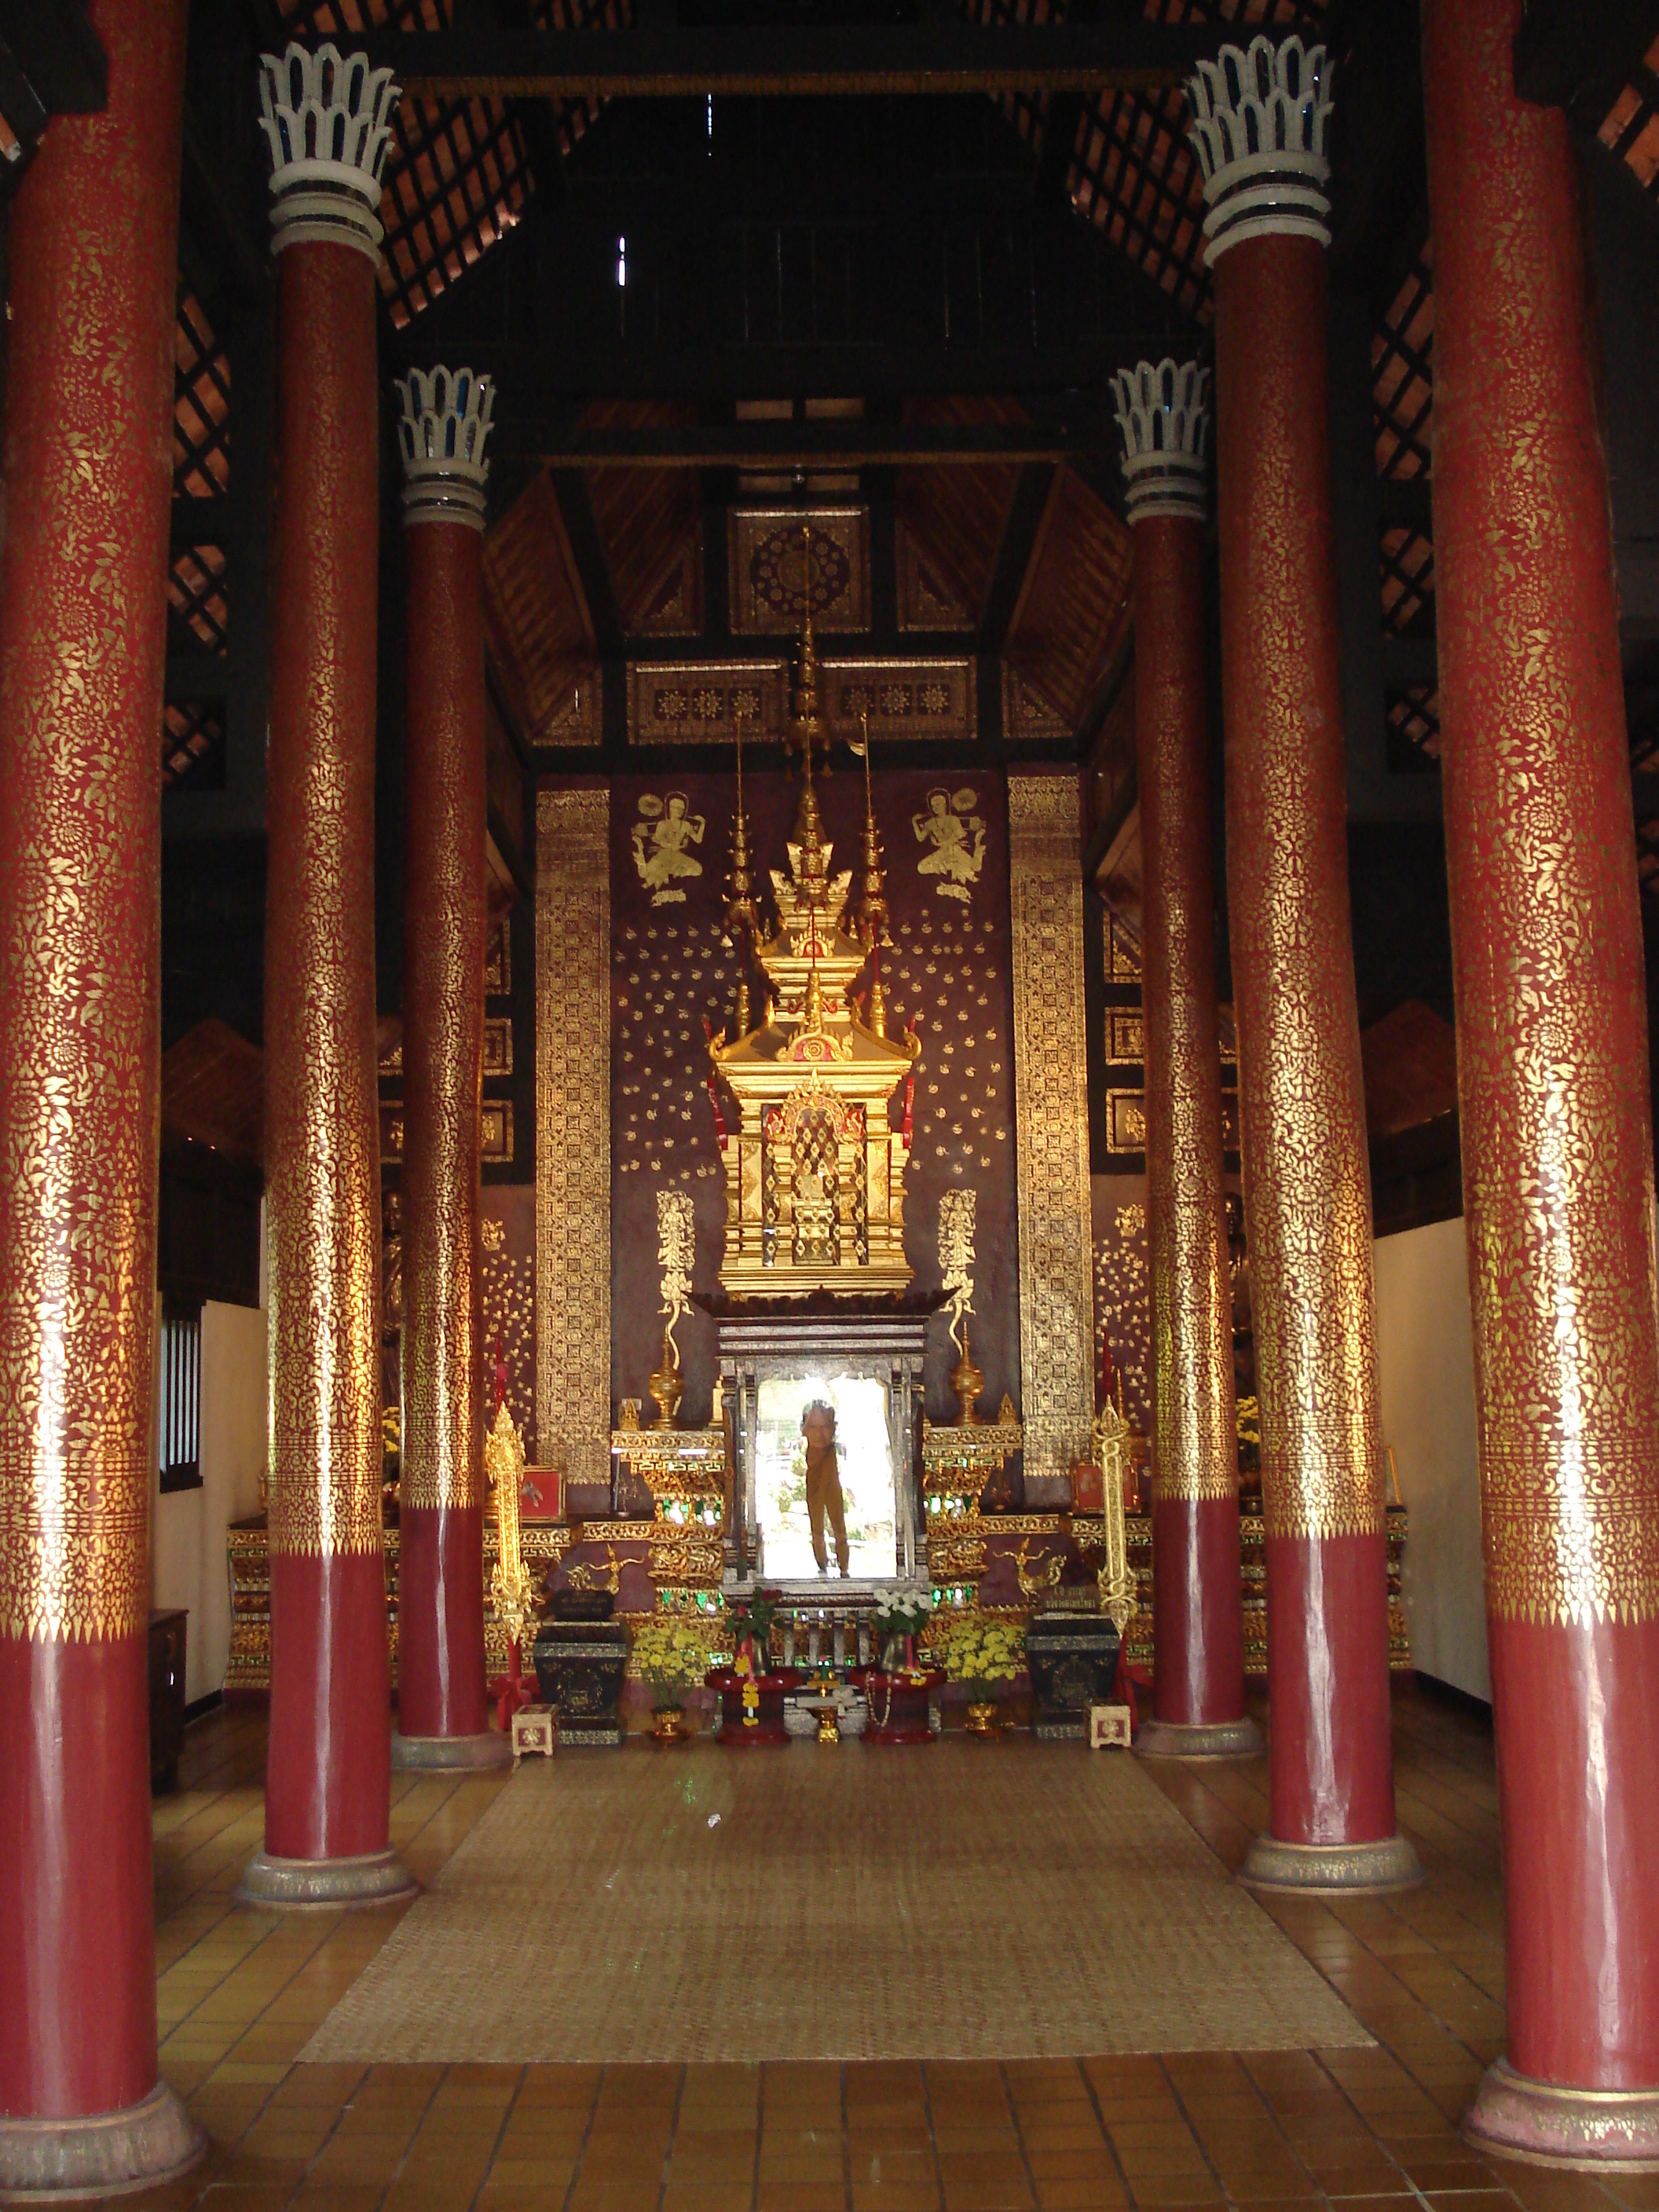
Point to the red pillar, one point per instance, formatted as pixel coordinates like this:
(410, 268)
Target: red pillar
(1306, 1181)
(92, 262)
(1198, 1692)
(1553, 1091)
(441, 1714)
(327, 1777)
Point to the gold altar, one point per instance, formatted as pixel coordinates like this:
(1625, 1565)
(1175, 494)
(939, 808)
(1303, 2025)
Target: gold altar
(815, 1173)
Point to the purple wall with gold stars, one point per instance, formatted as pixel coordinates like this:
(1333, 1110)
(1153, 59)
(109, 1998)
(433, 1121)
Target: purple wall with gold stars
(948, 973)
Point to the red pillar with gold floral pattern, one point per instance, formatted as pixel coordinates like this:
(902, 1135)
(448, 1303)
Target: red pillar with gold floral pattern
(1552, 1092)
(1259, 121)
(1198, 1630)
(91, 268)
(327, 1770)
(441, 1715)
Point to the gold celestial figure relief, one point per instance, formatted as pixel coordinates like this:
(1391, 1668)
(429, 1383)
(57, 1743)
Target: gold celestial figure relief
(814, 1171)
(660, 842)
(954, 836)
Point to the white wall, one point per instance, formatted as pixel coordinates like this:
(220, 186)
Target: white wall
(1425, 1355)
(188, 1549)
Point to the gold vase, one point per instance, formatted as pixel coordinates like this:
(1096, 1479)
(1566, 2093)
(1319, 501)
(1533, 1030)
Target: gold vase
(967, 1381)
(669, 1725)
(982, 1719)
(668, 1385)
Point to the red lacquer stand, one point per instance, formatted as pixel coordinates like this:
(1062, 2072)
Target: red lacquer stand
(1128, 1681)
(903, 1699)
(510, 1691)
(767, 1726)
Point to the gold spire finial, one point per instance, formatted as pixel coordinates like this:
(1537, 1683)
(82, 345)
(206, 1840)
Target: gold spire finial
(871, 915)
(807, 728)
(741, 921)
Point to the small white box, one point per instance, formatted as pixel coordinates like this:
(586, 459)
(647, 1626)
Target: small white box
(1109, 1724)
(534, 1730)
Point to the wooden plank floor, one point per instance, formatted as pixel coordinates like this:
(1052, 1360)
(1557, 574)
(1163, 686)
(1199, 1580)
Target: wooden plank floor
(240, 1992)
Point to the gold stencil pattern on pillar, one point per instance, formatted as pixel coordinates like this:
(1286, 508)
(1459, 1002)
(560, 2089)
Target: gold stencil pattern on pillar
(1193, 1417)
(322, 1194)
(443, 1043)
(1307, 1168)
(326, 1447)
(1311, 1261)
(1552, 1058)
(80, 955)
(573, 1132)
(1056, 1315)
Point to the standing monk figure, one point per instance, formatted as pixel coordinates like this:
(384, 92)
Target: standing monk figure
(818, 1425)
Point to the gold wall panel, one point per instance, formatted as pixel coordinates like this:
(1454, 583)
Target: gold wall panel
(936, 699)
(573, 1132)
(926, 600)
(496, 1129)
(579, 721)
(498, 1045)
(1122, 952)
(1126, 1121)
(676, 703)
(498, 959)
(1027, 717)
(770, 562)
(673, 702)
(1056, 1305)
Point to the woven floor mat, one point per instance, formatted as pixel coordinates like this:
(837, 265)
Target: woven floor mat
(959, 1900)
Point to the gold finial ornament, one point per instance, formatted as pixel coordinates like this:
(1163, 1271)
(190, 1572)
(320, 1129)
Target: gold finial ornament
(957, 1213)
(741, 921)
(1113, 1440)
(667, 1384)
(676, 1249)
(871, 915)
(967, 1381)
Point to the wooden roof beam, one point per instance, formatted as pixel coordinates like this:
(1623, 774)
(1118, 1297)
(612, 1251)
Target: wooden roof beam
(670, 60)
(785, 445)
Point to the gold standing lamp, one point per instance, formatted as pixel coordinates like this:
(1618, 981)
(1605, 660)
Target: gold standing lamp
(511, 1591)
(1119, 1596)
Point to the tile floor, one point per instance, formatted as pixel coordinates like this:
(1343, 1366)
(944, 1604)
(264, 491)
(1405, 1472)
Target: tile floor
(240, 1992)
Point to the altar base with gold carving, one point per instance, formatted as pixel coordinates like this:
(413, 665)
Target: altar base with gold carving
(975, 1561)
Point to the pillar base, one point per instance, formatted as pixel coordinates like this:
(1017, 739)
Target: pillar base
(1308, 1869)
(425, 1753)
(1239, 1739)
(378, 1878)
(108, 2155)
(1584, 2130)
